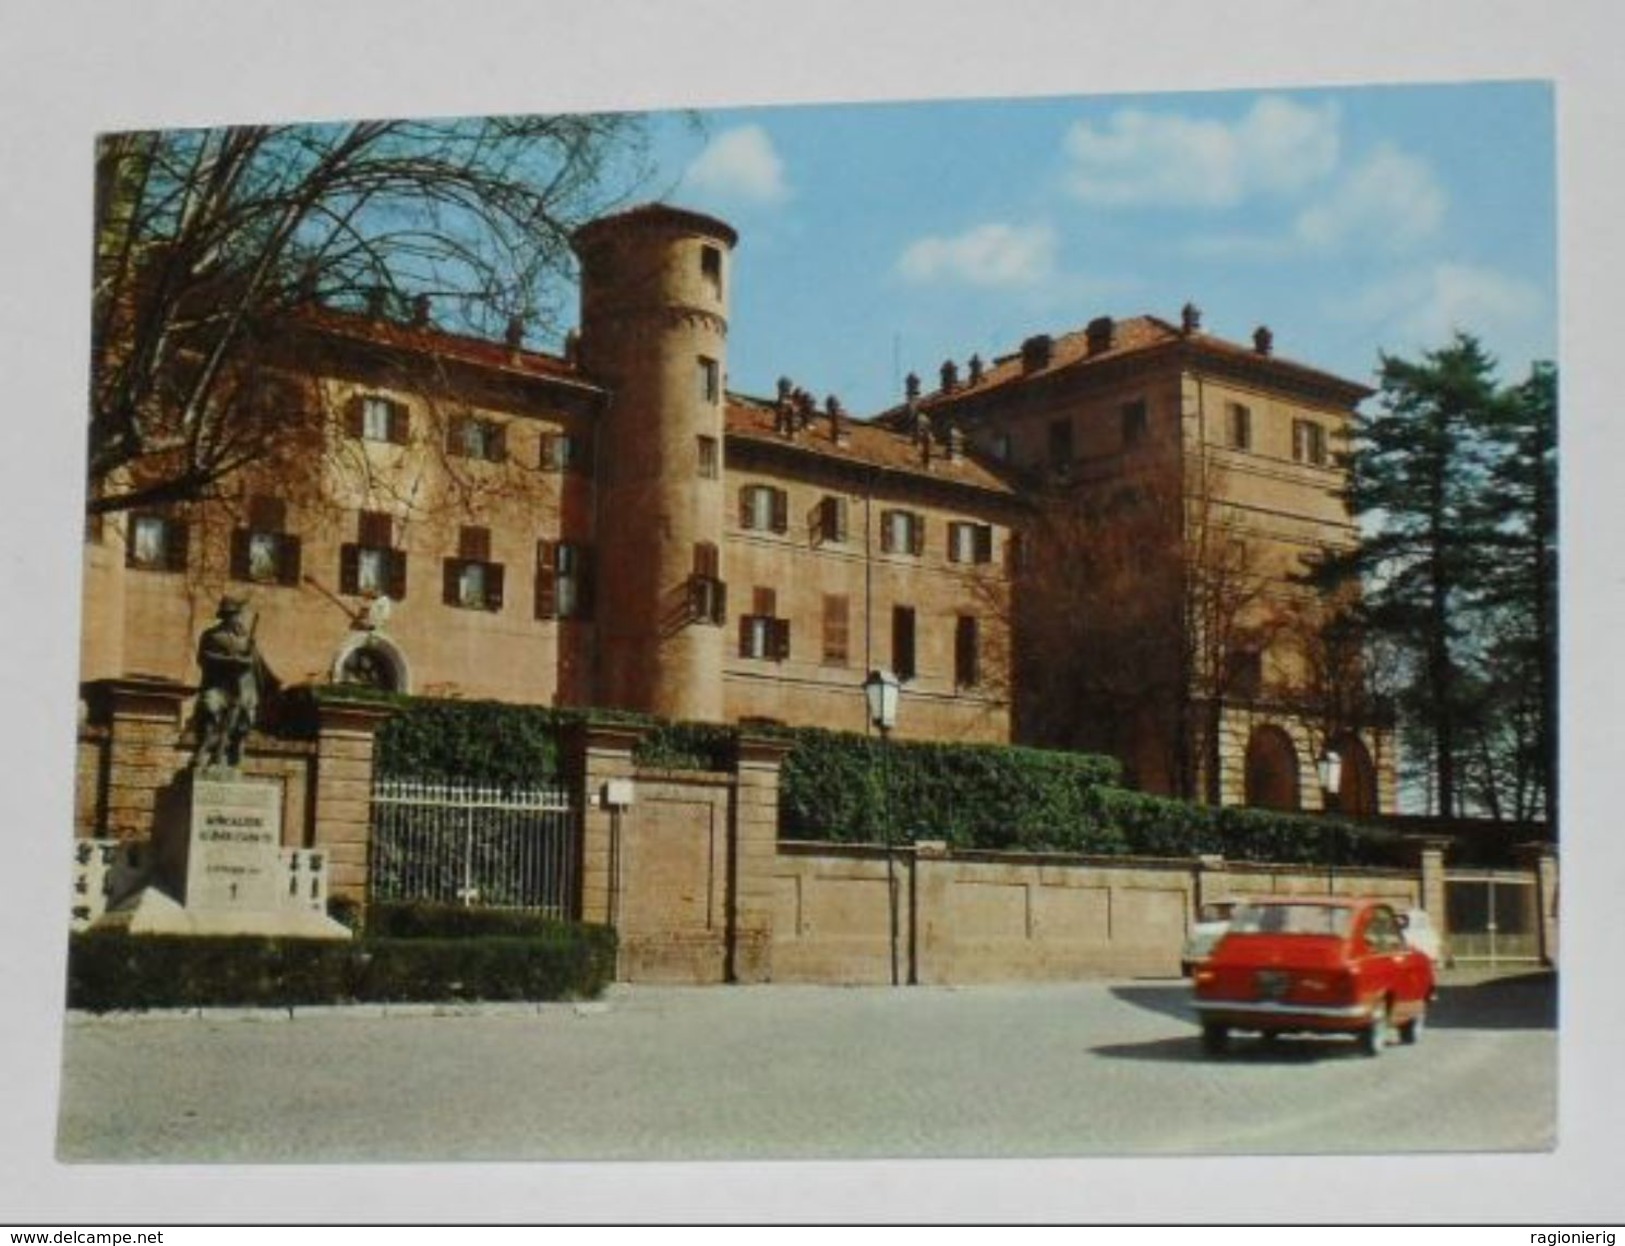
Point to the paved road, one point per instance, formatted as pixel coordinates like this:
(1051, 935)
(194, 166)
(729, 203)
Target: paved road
(800, 1072)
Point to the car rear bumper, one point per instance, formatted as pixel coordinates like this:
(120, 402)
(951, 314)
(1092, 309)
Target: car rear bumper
(1277, 1015)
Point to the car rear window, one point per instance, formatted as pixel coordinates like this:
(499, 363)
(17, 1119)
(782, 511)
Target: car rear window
(1308, 919)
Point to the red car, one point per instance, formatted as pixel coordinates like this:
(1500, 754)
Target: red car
(1314, 964)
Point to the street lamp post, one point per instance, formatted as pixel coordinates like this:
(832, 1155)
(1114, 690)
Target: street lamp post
(1330, 769)
(882, 691)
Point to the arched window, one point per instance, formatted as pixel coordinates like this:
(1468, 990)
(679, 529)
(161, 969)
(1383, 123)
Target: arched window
(371, 662)
(1357, 789)
(1272, 770)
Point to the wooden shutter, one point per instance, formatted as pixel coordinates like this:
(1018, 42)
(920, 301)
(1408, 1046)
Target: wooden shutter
(705, 560)
(496, 442)
(902, 642)
(965, 655)
(448, 583)
(916, 534)
(288, 559)
(240, 563)
(474, 544)
(836, 628)
(547, 580)
(267, 514)
(888, 544)
(396, 564)
(493, 586)
(780, 631)
(746, 514)
(954, 528)
(457, 436)
(548, 460)
(354, 422)
(745, 622)
(400, 423)
(350, 569)
(764, 602)
(177, 543)
(781, 511)
(984, 543)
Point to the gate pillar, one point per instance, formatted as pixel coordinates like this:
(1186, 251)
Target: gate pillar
(754, 851)
(596, 755)
(1430, 852)
(346, 733)
(1541, 858)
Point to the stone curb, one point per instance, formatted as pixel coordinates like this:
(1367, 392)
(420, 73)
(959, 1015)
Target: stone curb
(371, 1012)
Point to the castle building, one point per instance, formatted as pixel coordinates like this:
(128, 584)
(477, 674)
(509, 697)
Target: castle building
(613, 526)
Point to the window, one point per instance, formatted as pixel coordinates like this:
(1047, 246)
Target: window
(472, 438)
(563, 580)
(372, 566)
(970, 542)
(762, 634)
(967, 652)
(1060, 444)
(471, 581)
(902, 532)
(711, 268)
(1309, 442)
(837, 629)
(707, 594)
(565, 452)
(763, 508)
(710, 380)
(1134, 422)
(262, 551)
(708, 458)
(157, 543)
(375, 418)
(832, 513)
(1241, 427)
(902, 642)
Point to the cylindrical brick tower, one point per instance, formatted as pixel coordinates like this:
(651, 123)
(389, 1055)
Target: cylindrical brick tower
(654, 332)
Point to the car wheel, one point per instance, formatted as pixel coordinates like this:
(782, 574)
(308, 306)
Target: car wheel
(1411, 1031)
(1215, 1038)
(1375, 1036)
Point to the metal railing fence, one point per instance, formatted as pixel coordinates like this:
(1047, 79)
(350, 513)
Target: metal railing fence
(456, 843)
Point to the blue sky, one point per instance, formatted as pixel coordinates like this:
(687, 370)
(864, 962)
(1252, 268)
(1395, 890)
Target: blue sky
(879, 239)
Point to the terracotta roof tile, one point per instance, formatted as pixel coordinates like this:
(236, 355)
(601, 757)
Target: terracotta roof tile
(1133, 336)
(434, 341)
(864, 443)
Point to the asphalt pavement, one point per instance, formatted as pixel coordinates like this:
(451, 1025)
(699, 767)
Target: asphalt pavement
(780, 1072)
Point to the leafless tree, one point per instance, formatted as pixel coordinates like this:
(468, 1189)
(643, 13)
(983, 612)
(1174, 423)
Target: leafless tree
(212, 243)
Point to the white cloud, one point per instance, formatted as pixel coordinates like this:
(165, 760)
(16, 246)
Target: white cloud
(1391, 198)
(1421, 309)
(987, 255)
(1168, 159)
(739, 164)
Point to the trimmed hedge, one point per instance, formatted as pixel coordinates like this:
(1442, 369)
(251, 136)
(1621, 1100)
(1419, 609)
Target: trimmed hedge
(414, 919)
(838, 786)
(108, 971)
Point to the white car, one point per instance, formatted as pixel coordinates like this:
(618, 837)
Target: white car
(1212, 921)
(1421, 934)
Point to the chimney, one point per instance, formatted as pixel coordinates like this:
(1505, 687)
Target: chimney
(1190, 319)
(1100, 334)
(420, 312)
(1036, 352)
(975, 369)
(1263, 340)
(923, 437)
(950, 376)
(832, 408)
(783, 407)
(911, 386)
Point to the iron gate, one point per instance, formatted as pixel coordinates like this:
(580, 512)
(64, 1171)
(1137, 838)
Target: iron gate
(456, 843)
(1492, 916)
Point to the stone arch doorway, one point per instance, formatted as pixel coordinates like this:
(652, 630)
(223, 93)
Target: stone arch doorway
(1357, 789)
(372, 661)
(1272, 770)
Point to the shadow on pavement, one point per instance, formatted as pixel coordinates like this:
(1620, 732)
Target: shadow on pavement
(1525, 1001)
(1243, 1049)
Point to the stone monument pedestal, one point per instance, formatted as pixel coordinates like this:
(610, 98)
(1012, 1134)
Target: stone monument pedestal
(221, 869)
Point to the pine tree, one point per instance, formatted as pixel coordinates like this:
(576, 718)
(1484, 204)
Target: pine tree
(1417, 471)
